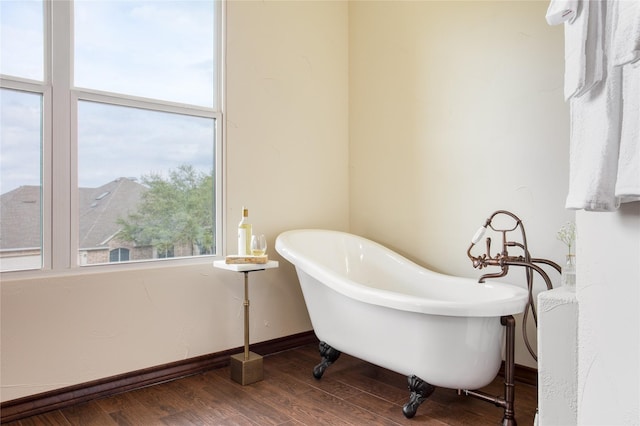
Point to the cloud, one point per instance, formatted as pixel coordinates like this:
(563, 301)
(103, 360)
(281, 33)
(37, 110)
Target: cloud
(156, 49)
(21, 45)
(149, 49)
(116, 141)
(20, 139)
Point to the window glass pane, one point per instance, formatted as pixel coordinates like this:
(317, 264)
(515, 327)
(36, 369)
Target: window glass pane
(146, 183)
(119, 255)
(21, 39)
(154, 49)
(20, 180)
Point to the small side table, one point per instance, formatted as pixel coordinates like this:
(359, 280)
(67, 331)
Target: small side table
(246, 368)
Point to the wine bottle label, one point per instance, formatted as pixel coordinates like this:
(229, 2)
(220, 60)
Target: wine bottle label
(242, 242)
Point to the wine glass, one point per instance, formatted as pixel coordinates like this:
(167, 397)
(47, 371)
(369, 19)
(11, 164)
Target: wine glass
(258, 245)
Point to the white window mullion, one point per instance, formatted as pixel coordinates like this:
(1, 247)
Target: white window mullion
(74, 216)
(47, 151)
(63, 175)
(47, 187)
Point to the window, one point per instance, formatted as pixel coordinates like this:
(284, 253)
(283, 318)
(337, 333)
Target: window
(165, 252)
(135, 175)
(21, 134)
(119, 255)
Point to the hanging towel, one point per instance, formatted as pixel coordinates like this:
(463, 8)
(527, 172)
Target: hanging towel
(594, 47)
(583, 48)
(594, 146)
(626, 32)
(628, 179)
(603, 89)
(561, 11)
(575, 45)
(595, 131)
(625, 49)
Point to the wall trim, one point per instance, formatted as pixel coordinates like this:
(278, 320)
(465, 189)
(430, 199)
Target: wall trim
(56, 399)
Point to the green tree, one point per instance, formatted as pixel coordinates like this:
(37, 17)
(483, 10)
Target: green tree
(177, 210)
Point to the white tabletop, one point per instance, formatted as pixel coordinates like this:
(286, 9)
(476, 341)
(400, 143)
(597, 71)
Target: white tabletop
(245, 267)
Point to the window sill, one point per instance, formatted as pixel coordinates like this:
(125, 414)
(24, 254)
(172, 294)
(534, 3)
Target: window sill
(108, 268)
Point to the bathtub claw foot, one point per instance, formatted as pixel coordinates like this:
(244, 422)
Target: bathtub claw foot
(329, 356)
(420, 391)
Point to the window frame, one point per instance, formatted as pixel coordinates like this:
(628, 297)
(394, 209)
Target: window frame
(59, 172)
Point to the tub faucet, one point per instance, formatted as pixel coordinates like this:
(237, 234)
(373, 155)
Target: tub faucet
(504, 260)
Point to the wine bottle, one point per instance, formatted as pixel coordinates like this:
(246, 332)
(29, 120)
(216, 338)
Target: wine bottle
(244, 234)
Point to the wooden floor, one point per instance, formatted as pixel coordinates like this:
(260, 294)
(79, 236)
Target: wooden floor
(351, 392)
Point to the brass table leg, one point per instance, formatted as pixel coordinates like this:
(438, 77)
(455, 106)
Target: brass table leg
(246, 316)
(246, 368)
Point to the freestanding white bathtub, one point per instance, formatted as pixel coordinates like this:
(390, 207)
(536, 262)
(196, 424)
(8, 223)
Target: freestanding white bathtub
(368, 301)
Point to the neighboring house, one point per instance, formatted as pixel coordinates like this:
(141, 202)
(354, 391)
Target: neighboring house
(20, 228)
(99, 208)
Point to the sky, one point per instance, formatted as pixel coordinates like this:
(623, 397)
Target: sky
(154, 49)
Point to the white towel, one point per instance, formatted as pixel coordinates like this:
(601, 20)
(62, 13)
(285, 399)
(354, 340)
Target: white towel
(625, 52)
(626, 32)
(561, 11)
(628, 179)
(583, 47)
(594, 47)
(602, 83)
(575, 46)
(594, 146)
(595, 136)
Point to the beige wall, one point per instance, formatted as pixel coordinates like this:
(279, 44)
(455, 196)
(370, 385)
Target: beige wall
(286, 151)
(456, 111)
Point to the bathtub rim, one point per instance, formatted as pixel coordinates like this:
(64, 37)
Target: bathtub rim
(513, 303)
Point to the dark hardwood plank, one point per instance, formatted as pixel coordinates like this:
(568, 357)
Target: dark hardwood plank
(393, 412)
(54, 418)
(200, 400)
(296, 400)
(87, 414)
(367, 378)
(118, 403)
(245, 400)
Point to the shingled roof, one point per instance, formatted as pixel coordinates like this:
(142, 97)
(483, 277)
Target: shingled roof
(20, 218)
(99, 210)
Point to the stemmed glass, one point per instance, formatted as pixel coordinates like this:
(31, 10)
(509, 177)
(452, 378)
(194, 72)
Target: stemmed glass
(258, 245)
